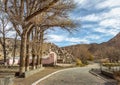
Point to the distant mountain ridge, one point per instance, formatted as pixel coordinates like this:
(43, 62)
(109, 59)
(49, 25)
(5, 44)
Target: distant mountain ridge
(115, 41)
(94, 47)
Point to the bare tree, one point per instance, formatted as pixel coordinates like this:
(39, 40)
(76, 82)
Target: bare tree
(23, 14)
(83, 54)
(4, 29)
(113, 54)
(80, 52)
(54, 17)
(14, 48)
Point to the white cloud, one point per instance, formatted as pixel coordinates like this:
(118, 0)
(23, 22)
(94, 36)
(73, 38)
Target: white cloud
(108, 3)
(11, 34)
(92, 17)
(95, 37)
(113, 32)
(113, 13)
(113, 23)
(81, 2)
(107, 32)
(87, 3)
(87, 26)
(109, 19)
(77, 40)
(62, 38)
(101, 30)
(55, 38)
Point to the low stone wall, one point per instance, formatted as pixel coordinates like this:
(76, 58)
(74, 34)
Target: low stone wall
(29, 73)
(6, 80)
(107, 73)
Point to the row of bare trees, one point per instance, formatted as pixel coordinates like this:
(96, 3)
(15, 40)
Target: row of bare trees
(31, 18)
(80, 52)
(4, 31)
(112, 53)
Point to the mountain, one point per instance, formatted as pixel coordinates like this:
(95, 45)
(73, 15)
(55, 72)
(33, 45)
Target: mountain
(94, 48)
(115, 42)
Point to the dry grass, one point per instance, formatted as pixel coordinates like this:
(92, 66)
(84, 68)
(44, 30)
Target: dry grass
(111, 64)
(117, 77)
(35, 77)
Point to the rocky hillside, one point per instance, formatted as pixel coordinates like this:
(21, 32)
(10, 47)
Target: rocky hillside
(95, 49)
(114, 41)
(9, 48)
(61, 53)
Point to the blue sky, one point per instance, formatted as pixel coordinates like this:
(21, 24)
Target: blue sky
(100, 21)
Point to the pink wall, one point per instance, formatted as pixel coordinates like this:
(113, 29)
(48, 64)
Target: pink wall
(51, 59)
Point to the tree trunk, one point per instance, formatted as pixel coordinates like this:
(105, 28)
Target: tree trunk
(33, 51)
(14, 51)
(41, 44)
(22, 54)
(4, 47)
(28, 55)
(40, 56)
(38, 46)
(38, 61)
(4, 51)
(33, 61)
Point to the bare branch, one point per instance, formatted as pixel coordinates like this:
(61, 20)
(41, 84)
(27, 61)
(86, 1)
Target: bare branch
(41, 10)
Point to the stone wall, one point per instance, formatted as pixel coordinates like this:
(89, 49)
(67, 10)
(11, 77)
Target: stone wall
(6, 80)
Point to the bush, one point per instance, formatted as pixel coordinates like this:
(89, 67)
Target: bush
(79, 62)
(91, 58)
(110, 64)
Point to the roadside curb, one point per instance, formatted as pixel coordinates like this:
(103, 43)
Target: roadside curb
(111, 81)
(95, 74)
(35, 83)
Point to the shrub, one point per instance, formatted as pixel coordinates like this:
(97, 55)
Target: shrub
(110, 64)
(79, 62)
(90, 58)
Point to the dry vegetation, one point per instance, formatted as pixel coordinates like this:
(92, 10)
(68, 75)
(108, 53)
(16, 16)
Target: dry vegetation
(94, 51)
